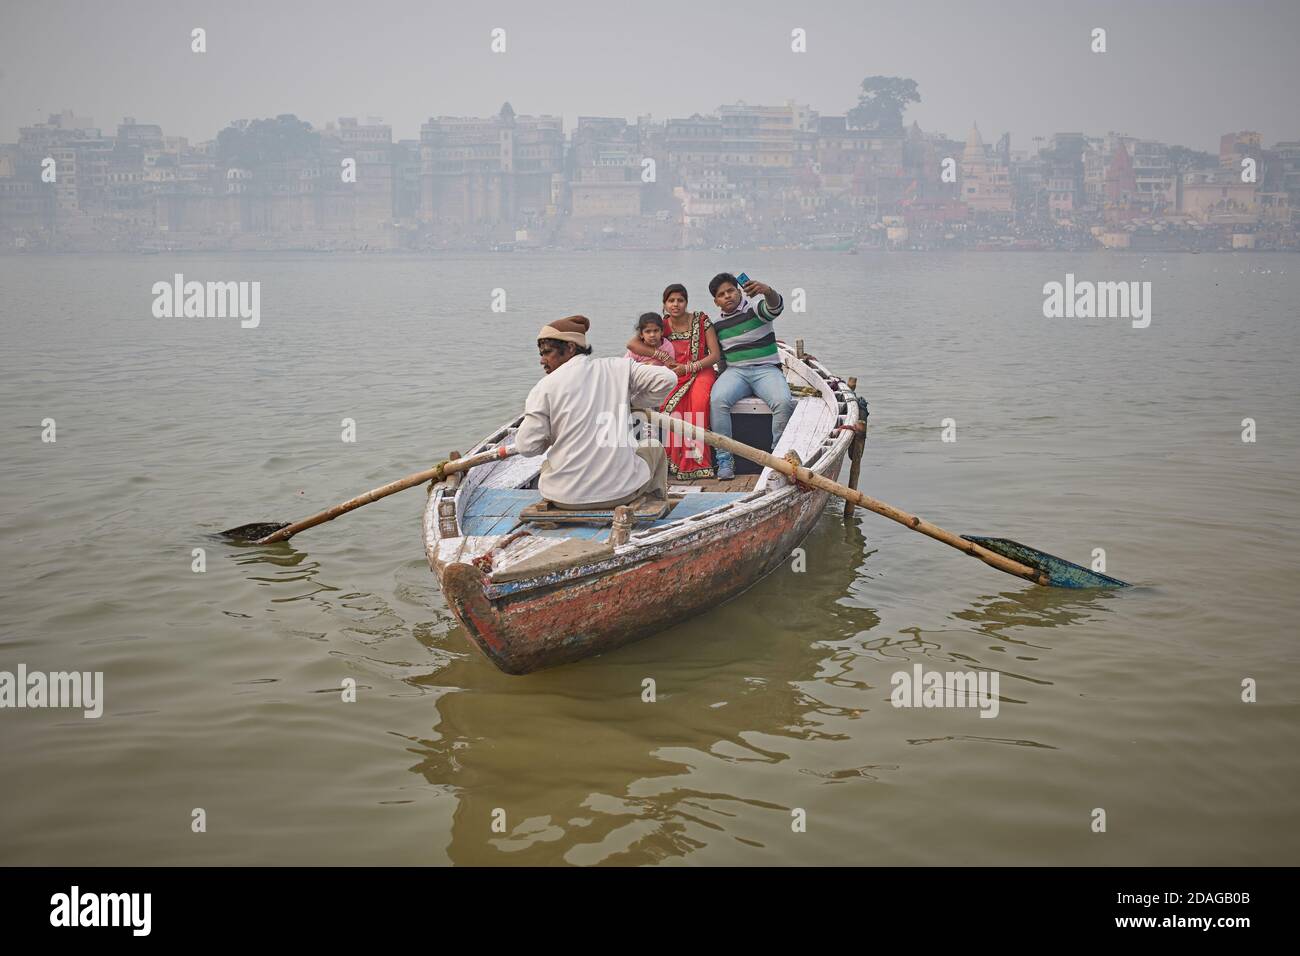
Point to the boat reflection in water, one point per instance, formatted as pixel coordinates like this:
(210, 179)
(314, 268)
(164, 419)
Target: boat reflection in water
(759, 707)
(783, 689)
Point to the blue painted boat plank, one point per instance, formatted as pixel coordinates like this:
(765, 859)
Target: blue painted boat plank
(502, 501)
(504, 524)
(480, 524)
(588, 532)
(494, 511)
(699, 502)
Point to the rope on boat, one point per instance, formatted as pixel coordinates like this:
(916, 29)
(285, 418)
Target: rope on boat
(793, 458)
(484, 561)
(439, 474)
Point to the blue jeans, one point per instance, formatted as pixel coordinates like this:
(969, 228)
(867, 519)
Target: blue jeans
(740, 381)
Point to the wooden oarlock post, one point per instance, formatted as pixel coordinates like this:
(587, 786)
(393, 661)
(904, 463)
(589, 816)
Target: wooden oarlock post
(855, 452)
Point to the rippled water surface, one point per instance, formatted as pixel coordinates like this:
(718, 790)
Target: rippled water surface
(223, 687)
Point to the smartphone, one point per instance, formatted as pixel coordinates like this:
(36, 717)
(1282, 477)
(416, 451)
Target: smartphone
(742, 278)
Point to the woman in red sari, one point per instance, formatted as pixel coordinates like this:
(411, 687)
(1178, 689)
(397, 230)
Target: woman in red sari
(695, 345)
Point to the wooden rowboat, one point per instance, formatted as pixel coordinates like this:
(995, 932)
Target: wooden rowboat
(532, 596)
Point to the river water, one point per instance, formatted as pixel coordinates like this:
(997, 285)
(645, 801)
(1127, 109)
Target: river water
(223, 686)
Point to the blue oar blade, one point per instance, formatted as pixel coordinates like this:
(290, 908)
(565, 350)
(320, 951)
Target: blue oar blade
(1060, 573)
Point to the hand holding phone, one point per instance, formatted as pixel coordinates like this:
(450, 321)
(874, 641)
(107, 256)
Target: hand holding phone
(752, 288)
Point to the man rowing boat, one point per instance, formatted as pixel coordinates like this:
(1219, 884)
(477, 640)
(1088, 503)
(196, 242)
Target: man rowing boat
(568, 416)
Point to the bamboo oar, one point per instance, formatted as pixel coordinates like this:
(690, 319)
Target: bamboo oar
(269, 532)
(1001, 553)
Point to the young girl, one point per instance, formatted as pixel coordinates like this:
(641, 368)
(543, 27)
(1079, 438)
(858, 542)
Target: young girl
(695, 349)
(650, 333)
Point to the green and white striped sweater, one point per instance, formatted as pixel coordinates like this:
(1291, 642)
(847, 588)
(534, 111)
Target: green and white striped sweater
(747, 336)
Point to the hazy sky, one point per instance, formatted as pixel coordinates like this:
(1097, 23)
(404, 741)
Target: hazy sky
(1181, 72)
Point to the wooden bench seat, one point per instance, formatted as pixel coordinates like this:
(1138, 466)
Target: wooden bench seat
(643, 510)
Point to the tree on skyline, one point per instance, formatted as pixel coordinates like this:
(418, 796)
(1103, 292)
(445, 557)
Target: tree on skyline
(1183, 158)
(267, 141)
(882, 102)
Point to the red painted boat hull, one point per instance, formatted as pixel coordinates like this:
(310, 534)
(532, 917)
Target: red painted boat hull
(565, 622)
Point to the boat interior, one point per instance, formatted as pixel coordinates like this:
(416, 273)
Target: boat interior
(488, 501)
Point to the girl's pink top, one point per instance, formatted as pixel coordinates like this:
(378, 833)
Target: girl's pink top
(645, 359)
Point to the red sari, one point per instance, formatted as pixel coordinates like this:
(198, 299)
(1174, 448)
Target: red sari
(689, 400)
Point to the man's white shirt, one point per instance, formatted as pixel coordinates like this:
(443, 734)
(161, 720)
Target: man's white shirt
(587, 459)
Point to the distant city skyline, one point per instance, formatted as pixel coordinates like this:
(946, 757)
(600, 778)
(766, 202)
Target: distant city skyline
(1180, 73)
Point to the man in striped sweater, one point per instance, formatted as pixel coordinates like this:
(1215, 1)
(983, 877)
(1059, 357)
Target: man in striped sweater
(753, 365)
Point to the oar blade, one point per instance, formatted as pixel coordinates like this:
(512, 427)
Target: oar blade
(253, 532)
(1060, 573)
